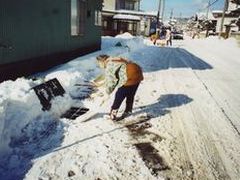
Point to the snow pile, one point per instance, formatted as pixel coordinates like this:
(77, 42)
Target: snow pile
(125, 35)
(20, 106)
(23, 124)
(124, 46)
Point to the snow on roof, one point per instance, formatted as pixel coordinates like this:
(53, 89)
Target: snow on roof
(232, 6)
(204, 15)
(127, 17)
(217, 11)
(151, 13)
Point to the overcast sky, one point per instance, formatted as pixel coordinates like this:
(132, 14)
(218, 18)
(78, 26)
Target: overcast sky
(185, 7)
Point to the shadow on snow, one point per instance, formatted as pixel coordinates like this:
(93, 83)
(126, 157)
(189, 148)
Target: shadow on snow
(39, 137)
(165, 102)
(162, 58)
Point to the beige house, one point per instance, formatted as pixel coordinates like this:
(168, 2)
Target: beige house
(231, 16)
(120, 16)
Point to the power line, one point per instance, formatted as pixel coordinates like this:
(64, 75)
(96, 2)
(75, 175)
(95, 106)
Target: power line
(210, 4)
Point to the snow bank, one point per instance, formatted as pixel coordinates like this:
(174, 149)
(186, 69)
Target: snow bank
(21, 115)
(20, 106)
(127, 44)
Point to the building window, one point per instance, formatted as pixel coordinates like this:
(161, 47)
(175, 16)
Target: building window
(115, 25)
(105, 24)
(130, 26)
(135, 27)
(129, 5)
(98, 18)
(74, 18)
(120, 4)
(78, 17)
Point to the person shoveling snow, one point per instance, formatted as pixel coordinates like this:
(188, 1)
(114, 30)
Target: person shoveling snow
(122, 74)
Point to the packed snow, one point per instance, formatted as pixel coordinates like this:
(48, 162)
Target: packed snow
(185, 122)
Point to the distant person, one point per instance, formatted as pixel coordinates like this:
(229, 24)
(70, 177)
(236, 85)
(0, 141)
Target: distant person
(195, 34)
(122, 74)
(169, 37)
(155, 37)
(161, 40)
(163, 33)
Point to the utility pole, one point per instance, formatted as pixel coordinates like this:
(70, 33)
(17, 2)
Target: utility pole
(207, 30)
(208, 9)
(171, 14)
(163, 8)
(180, 20)
(159, 9)
(223, 16)
(158, 14)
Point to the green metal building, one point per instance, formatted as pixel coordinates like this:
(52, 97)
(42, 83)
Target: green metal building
(38, 34)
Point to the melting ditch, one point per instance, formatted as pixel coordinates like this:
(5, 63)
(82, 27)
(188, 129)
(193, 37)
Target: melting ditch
(154, 162)
(152, 159)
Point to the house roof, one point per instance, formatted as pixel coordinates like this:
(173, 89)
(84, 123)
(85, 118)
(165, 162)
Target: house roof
(204, 15)
(237, 11)
(217, 11)
(231, 14)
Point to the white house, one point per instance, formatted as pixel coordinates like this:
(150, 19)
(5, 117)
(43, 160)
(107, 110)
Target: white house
(119, 16)
(231, 16)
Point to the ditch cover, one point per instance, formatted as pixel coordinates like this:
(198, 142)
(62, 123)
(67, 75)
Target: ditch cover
(50, 89)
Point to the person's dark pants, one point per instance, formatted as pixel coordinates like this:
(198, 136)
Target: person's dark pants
(123, 92)
(169, 42)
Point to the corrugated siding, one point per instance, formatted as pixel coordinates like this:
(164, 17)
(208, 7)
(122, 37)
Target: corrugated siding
(31, 28)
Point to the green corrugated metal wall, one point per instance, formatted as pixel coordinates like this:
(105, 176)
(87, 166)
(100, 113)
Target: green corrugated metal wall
(31, 28)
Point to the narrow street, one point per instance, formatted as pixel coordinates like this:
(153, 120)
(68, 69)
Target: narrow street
(190, 129)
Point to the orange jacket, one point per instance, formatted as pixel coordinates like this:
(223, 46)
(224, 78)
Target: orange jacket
(134, 72)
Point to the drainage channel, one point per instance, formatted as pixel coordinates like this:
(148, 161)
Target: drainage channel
(153, 161)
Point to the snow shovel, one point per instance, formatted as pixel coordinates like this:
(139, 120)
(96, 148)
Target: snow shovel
(87, 116)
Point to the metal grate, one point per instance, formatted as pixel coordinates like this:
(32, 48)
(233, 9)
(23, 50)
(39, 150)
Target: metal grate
(50, 89)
